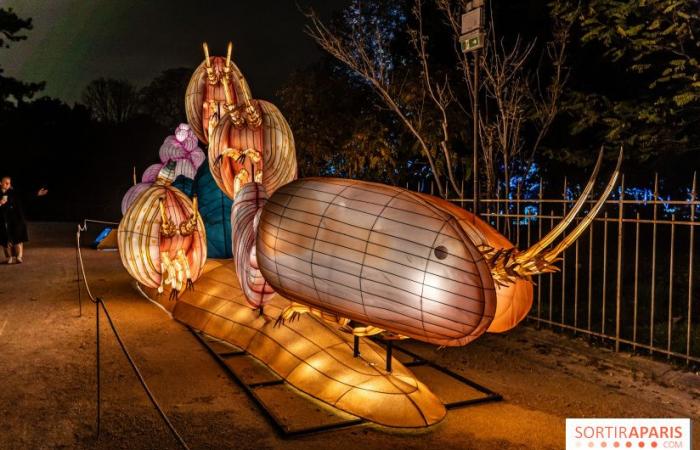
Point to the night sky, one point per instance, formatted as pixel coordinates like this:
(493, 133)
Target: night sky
(76, 41)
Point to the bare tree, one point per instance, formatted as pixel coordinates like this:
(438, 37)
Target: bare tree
(507, 88)
(357, 48)
(514, 97)
(111, 101)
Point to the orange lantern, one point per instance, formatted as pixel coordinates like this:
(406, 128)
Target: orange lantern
(206, 98)
(161, 237)
(260, 149)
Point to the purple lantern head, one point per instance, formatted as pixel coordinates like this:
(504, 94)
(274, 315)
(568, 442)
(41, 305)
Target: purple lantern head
(181, 148)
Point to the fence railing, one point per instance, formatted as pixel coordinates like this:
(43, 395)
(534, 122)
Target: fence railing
(629, 280)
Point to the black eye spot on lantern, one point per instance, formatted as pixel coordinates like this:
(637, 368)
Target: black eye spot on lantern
(441, 252)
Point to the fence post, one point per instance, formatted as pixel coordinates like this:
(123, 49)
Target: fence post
(576, 262)
(539, 238)
(636, 283)
(670, 287)
(551, 276)
(590, 275)
(498, 209)
(563, 258)
(653, 265)
(693, 194)
(605, 271)
(618, 286)
(517, 216)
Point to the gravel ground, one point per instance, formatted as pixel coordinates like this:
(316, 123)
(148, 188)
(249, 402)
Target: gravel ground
(47, 379)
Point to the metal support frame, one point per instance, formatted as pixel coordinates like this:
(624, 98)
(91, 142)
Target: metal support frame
(389, 348)
(285, 432)
(489, 395)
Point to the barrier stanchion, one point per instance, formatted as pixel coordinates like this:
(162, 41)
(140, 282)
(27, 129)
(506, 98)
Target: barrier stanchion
(99, 303)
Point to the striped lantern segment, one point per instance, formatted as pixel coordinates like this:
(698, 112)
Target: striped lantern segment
(161, 237)
(378, 255)
(245, 213)
(243, 153)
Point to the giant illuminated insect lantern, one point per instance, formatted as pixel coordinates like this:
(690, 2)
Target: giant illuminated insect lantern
(408, 263)
(380, 256)
(320, 262)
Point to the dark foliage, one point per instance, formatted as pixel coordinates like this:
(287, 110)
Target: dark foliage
(12, 90)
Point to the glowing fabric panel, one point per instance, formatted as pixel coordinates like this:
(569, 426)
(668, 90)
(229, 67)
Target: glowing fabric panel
(514, 300)
(376, 254)
(205, 99)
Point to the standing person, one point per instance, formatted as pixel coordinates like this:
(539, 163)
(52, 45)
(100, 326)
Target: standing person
(13, 227)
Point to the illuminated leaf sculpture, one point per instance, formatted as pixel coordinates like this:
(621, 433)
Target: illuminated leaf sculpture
(309, 353)
(161, 236)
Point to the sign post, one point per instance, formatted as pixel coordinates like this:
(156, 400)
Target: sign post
(472, 40)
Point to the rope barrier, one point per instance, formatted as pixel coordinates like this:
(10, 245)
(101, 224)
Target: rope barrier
(99, 302)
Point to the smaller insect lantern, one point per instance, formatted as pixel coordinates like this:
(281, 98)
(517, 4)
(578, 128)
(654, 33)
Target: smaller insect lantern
(255, 145)
(205, 100)
(161, 237)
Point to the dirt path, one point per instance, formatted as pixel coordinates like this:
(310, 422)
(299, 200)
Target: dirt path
(47, 377)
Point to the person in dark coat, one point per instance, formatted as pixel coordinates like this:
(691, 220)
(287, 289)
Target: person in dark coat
(13, 227)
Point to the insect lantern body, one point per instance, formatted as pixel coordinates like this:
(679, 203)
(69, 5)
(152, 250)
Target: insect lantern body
(216, 88)
(161, 236)
(408, 263)
(378, 255)
(259, 150)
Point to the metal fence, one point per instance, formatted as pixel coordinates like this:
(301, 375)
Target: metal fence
(630, 280)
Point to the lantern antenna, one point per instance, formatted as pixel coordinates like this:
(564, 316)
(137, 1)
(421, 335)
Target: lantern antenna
(206, 55)
(561, 226)
(509, 264)
(581, 227)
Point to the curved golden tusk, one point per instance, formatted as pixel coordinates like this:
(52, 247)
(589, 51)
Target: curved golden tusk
(229, 50)
(206, 55)
(581, 227)
(561, 226)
